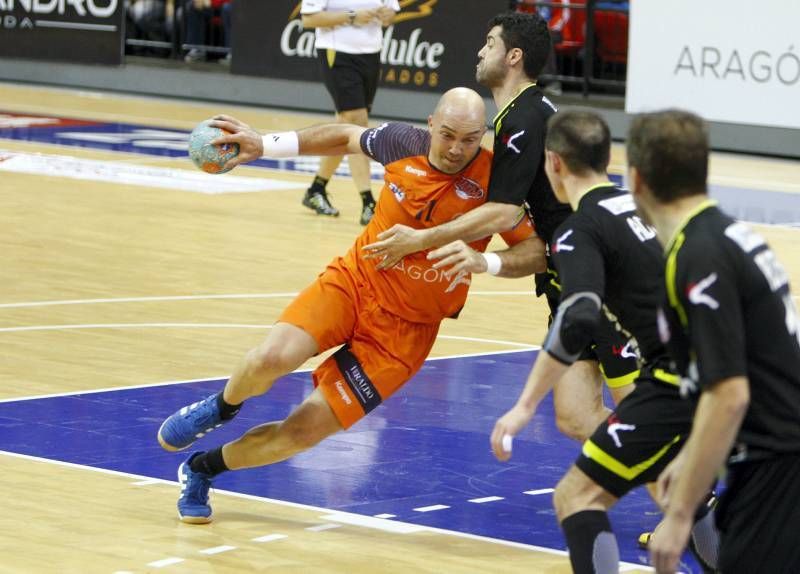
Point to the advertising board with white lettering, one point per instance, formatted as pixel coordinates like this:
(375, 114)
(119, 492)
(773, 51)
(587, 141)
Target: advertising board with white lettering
(732, 61)
(75, 31)
(432, 45)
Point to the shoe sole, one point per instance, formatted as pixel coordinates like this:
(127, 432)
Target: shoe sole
(194, 519)
(165, 445)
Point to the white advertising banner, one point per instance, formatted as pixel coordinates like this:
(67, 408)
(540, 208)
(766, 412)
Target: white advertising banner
(732, 61)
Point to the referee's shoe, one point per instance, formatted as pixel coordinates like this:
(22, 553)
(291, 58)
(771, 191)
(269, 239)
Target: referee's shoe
(317, 199)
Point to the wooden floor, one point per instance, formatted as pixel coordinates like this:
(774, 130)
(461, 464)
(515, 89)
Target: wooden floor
(115, 258)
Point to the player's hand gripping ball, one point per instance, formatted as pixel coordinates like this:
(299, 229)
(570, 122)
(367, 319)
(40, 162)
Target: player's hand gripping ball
(210, 158)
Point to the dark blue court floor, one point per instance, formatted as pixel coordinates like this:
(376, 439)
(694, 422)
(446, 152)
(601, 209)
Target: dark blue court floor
(427, 445)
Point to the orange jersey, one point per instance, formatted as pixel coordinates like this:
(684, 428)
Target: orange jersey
(418, 195)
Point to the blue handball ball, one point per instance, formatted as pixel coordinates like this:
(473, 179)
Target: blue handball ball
(210, 158)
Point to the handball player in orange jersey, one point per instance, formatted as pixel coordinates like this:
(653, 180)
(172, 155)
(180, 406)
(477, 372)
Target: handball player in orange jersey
(385, 321)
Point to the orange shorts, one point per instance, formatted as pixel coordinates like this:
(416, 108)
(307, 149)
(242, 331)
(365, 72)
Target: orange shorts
(381, 351)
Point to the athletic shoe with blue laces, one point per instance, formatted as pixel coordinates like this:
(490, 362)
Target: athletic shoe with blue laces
(193, 504)
(190, 423)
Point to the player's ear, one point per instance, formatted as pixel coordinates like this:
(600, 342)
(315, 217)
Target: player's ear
(430, 123)
(513, 56)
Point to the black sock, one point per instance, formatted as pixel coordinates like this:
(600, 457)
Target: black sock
(318, 184)
(227, 411)
(209, 462)
(366, 198)
(592, 545)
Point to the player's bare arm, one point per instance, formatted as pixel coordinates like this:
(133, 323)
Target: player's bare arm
(719, 415)
(327, 139)
(401, 240)
(522, 259)
(545, 374)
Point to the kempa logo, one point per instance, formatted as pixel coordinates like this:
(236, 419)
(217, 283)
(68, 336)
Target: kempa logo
(417, 57)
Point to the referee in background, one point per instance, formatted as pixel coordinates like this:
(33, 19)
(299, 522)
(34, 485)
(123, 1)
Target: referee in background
(349, 38)
(731, 325)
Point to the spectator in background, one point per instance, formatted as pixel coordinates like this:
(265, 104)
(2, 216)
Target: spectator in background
(348, 41)
(149, 19)
(199, 15)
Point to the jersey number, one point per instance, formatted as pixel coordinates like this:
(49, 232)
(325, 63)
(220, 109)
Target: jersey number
(642, 231)
(428, 208)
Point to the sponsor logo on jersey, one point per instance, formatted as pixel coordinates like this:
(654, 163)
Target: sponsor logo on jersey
(619, 204)
(467, 188)
(697, 295)
(397, 191)
(560, 244)
(415, 171)
(615, 426)
(340, 387)
(508, 140)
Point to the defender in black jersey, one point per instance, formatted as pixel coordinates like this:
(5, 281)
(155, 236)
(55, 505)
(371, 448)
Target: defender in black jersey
(732, 328)
(517, 46)
(609, 264)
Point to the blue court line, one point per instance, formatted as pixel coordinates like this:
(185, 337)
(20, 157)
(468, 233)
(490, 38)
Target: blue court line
(760, 206)
(427, 445)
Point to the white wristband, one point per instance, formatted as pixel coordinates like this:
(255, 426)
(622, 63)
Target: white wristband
(493, 263)
(281, 144)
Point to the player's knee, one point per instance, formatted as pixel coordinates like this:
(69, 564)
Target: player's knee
(357, 117)
(301, 435)
(572, 426)
(267, 360)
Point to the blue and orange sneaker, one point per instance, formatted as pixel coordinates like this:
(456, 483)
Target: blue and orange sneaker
(193, 504)
(190, 423)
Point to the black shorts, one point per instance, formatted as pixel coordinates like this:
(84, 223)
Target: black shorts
(618, 363)
(351, 79)
(759, 517)
(645, 432)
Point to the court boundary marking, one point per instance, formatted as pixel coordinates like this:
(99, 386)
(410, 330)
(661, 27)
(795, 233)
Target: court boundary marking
(355, 519)
(216, 378)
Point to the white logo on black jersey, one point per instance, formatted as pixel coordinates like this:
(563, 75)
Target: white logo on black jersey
(560, 245)
(614, 428)
(510, 140)
(697, 293)
(627, 352)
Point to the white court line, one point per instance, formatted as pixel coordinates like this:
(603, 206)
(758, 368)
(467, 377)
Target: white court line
(286, 503)
(540, 491)
(486, 499)
(215, 326)
(268, 537)
(165, 562)
(205, 379)
(385, 515)
(23, 304)
(217, 549)
(431, 508)
(147, 482)
(323, 527)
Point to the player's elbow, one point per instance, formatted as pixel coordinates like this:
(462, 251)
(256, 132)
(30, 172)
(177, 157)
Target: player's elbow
(504, 216)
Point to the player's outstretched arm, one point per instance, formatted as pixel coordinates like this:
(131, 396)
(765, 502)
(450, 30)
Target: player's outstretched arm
(400, 240)
(545, 374)
(329, 139)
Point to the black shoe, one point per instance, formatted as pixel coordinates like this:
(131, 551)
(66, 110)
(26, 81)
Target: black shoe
(318, 201)
(366, 213)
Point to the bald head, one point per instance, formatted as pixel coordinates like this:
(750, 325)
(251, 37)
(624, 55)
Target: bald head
(462, 103)
(457, 126)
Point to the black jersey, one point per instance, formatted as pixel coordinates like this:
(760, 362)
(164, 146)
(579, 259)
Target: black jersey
(604, 248)
(518, 166)
(730, 313)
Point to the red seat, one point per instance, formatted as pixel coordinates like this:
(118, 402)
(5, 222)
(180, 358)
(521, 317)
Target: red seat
(611, 36)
